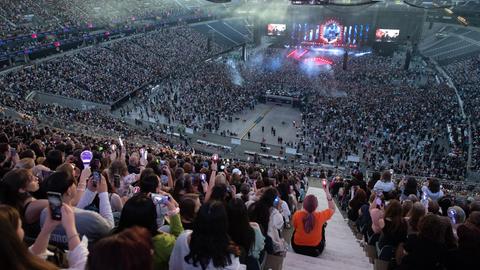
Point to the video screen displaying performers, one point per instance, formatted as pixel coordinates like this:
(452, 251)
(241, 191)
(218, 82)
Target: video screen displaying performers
(387, 35)
(330, 32)
(276, 29)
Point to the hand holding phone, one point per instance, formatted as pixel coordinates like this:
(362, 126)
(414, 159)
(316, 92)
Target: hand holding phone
(324, 183)
(159, 199)
(55, 204)
(96, 178)
(215, 158)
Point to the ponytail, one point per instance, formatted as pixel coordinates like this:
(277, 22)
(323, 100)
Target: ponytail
(309, 222)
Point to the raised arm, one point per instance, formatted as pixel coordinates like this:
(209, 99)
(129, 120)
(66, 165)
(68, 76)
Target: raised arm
(211, 182)
(331, 204)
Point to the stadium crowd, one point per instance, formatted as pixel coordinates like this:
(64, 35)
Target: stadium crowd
(402, 128)
(156, 204)
(155, 207)
(27, 17)
(108, 72)
(143, 201)
(407, 224)
(465, 76)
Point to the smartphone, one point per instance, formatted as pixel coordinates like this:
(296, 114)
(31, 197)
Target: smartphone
(86, 157)
(55, 204)
(276, 201)
(451, 214)
(116, 180)
(120, 141)
(378, 201)
(13, 151)
(96, 178)
(163, 162)
(222, 167)
(324, 183)
(159, 199)
(215, 157)
(203, 177)
(143, 153)
(113, 147)
(164, 179)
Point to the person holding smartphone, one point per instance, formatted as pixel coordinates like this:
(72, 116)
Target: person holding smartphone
(23, 258)
(88, 223)
(309, 225)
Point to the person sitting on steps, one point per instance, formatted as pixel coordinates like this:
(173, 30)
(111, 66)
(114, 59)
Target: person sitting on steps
(309, 226)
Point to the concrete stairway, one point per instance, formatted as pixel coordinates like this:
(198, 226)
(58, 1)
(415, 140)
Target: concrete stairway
(342, 251)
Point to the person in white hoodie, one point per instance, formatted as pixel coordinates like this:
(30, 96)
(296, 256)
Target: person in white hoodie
(432, 189)
(385, 183)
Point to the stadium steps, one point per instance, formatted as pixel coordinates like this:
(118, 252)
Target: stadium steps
(342, 251)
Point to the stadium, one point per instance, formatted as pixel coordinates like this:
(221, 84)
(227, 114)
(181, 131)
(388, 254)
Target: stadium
(239, 134)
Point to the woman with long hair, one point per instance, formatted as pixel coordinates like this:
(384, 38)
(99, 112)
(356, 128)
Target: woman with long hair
(15, 189)
(309, 226)
(140, 210)
(432, 189)
(359, 199)
(394, 227)
(247, 235)
(209, 246)
(432, 248)
(265, 212)
(417, 212)
(15, 255)
(408, 187)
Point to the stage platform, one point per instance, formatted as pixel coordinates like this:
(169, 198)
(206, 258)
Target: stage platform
(342, 251)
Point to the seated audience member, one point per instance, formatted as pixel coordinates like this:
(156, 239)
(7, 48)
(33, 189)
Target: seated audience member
(265, 212)
(149, 183)
(14, 253)
(385, 183)
(247, 235)
(359, 199)
(469, 242)
(432, 248)
(406, 206)
(309, 226)
(189, 206)
(140, 210)
(475, 206)
(15, 189)
(208, 246)
(394, 227)
(408, 187)
(129, 249)
(432, 189)
(7, 159)
(433, 207)
(89, 223)
(414, 216)
(122, 179)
